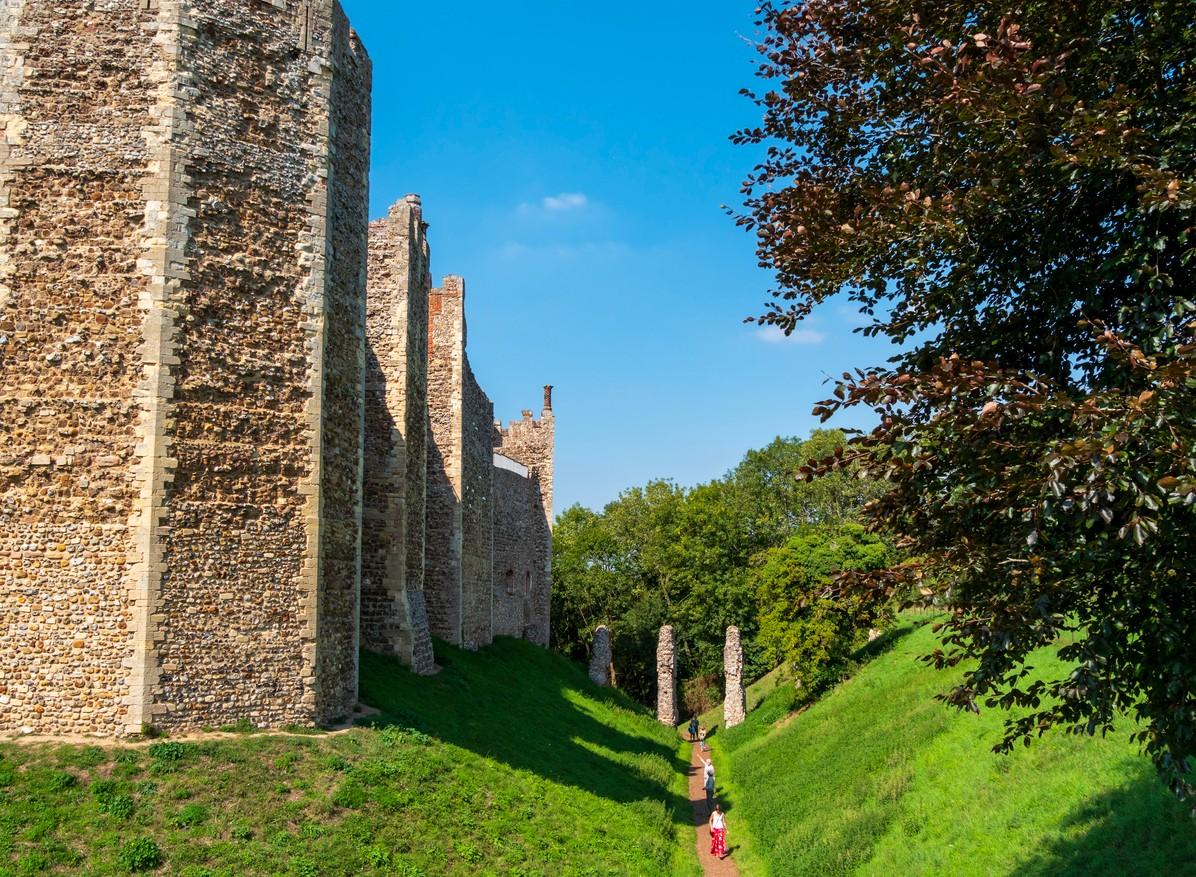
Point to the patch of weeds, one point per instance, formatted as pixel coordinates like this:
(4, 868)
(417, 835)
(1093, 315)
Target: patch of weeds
(169, 751)
(190, 816)
(147, 788)
(119, 806)
(311, 830)
(337, 763)
(61, 781)
(140, 854)
(181, 793)
(286, 761)
(241, 726)
(90, 756)
(377, 856)
(469, 852)
(241, 830)
(127, 756)
(349, 796)
(304, 867)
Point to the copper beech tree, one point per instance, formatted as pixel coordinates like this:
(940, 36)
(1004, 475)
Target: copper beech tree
(1008, 193)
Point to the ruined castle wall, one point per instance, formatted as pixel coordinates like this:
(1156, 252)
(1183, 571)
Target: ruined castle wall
(477, 553)
(75, 96)
(528, 537)
(179, 216)
(518, 533)
(343, 412)
(443, 546)
(393, 615)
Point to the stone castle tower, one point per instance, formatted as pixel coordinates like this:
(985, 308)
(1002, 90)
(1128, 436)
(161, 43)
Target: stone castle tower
(208, 498)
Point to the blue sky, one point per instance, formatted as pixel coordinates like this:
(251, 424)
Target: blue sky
(573, 160)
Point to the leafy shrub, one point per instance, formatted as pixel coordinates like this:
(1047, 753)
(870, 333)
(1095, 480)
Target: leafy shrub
(700, 694)
(337, 763)
(119, 806)
(377, 856)
(350, 795)
(190, 816)
(140, 854)
(62, 781)
(169, 751)
(241, 831)
(305, 868)
(127, 756)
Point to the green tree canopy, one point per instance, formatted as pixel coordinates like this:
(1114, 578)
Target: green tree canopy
(1009, 194)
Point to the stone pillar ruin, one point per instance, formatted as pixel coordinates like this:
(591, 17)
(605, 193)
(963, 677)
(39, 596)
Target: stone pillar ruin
(735, 702)
(600, 657)
(666, 677)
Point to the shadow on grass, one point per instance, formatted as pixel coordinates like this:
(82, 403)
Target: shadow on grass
(1138, 830)
(522, 706)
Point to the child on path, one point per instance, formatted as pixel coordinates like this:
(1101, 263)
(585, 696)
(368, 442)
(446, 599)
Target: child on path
(718, 833)
(702, 739)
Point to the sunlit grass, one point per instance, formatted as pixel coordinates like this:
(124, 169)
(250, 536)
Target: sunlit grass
(879, 779)
(507, 763)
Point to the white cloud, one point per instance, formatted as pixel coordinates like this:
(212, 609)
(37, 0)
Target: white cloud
(775, 335)
(565, 201)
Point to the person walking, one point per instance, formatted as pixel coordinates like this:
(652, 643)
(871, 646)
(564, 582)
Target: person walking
(693, 729)
(708, 784)
(718, 833)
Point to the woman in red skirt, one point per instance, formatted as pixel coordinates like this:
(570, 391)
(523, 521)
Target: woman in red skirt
(718, 833)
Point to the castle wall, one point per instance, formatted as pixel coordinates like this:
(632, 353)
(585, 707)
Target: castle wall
(523, 522)
(518, 533)
(444, 524)
(477, 529)
(393, 614)
(74, 165)
(198, 349)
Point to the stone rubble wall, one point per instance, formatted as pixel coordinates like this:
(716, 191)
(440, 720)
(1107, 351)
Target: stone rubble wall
(393, 616)
(444, 537)
(76, 101)
(530, 442)
(477, 513)
(666, 677)
(243, 437)
(735, 700)
(185, 284)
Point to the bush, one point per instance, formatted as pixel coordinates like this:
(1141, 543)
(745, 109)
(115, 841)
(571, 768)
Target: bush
(700, 694)
(190, 816)
(140, 854)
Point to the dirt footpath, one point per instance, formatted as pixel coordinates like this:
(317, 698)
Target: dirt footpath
(697, 797)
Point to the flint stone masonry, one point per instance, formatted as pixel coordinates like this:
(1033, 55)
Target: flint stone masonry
(226, 465)
(735, 702)
(489, 541)
(394, 619)
(182, 292)
(666, 677)
(600, 656)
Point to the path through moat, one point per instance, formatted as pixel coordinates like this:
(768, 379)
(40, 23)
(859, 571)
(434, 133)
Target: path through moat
(711, 866)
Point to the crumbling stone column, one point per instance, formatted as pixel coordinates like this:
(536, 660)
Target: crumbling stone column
(666, 677)
(600, 656)
(735, 703)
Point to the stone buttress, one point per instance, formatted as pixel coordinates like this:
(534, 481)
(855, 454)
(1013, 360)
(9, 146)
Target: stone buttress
(182, 306)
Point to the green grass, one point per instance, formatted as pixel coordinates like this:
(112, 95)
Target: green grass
(507, 763)
(879, 779)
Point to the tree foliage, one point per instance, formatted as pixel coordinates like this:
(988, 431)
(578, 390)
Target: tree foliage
(804, 622)
(663, 554)
(1010, 196)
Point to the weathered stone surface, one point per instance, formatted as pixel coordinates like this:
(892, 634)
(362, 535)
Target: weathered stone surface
(202, 517)
(666, 677)
(393, 615)
(735, 702)
(522, 526)
(600, 656)
(181, 307)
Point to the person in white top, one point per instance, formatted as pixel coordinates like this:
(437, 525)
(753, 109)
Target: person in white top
(718, 833)
(708, 783)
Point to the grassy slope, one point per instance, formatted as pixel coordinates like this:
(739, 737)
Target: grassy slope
(879, 779)
(507, 763)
